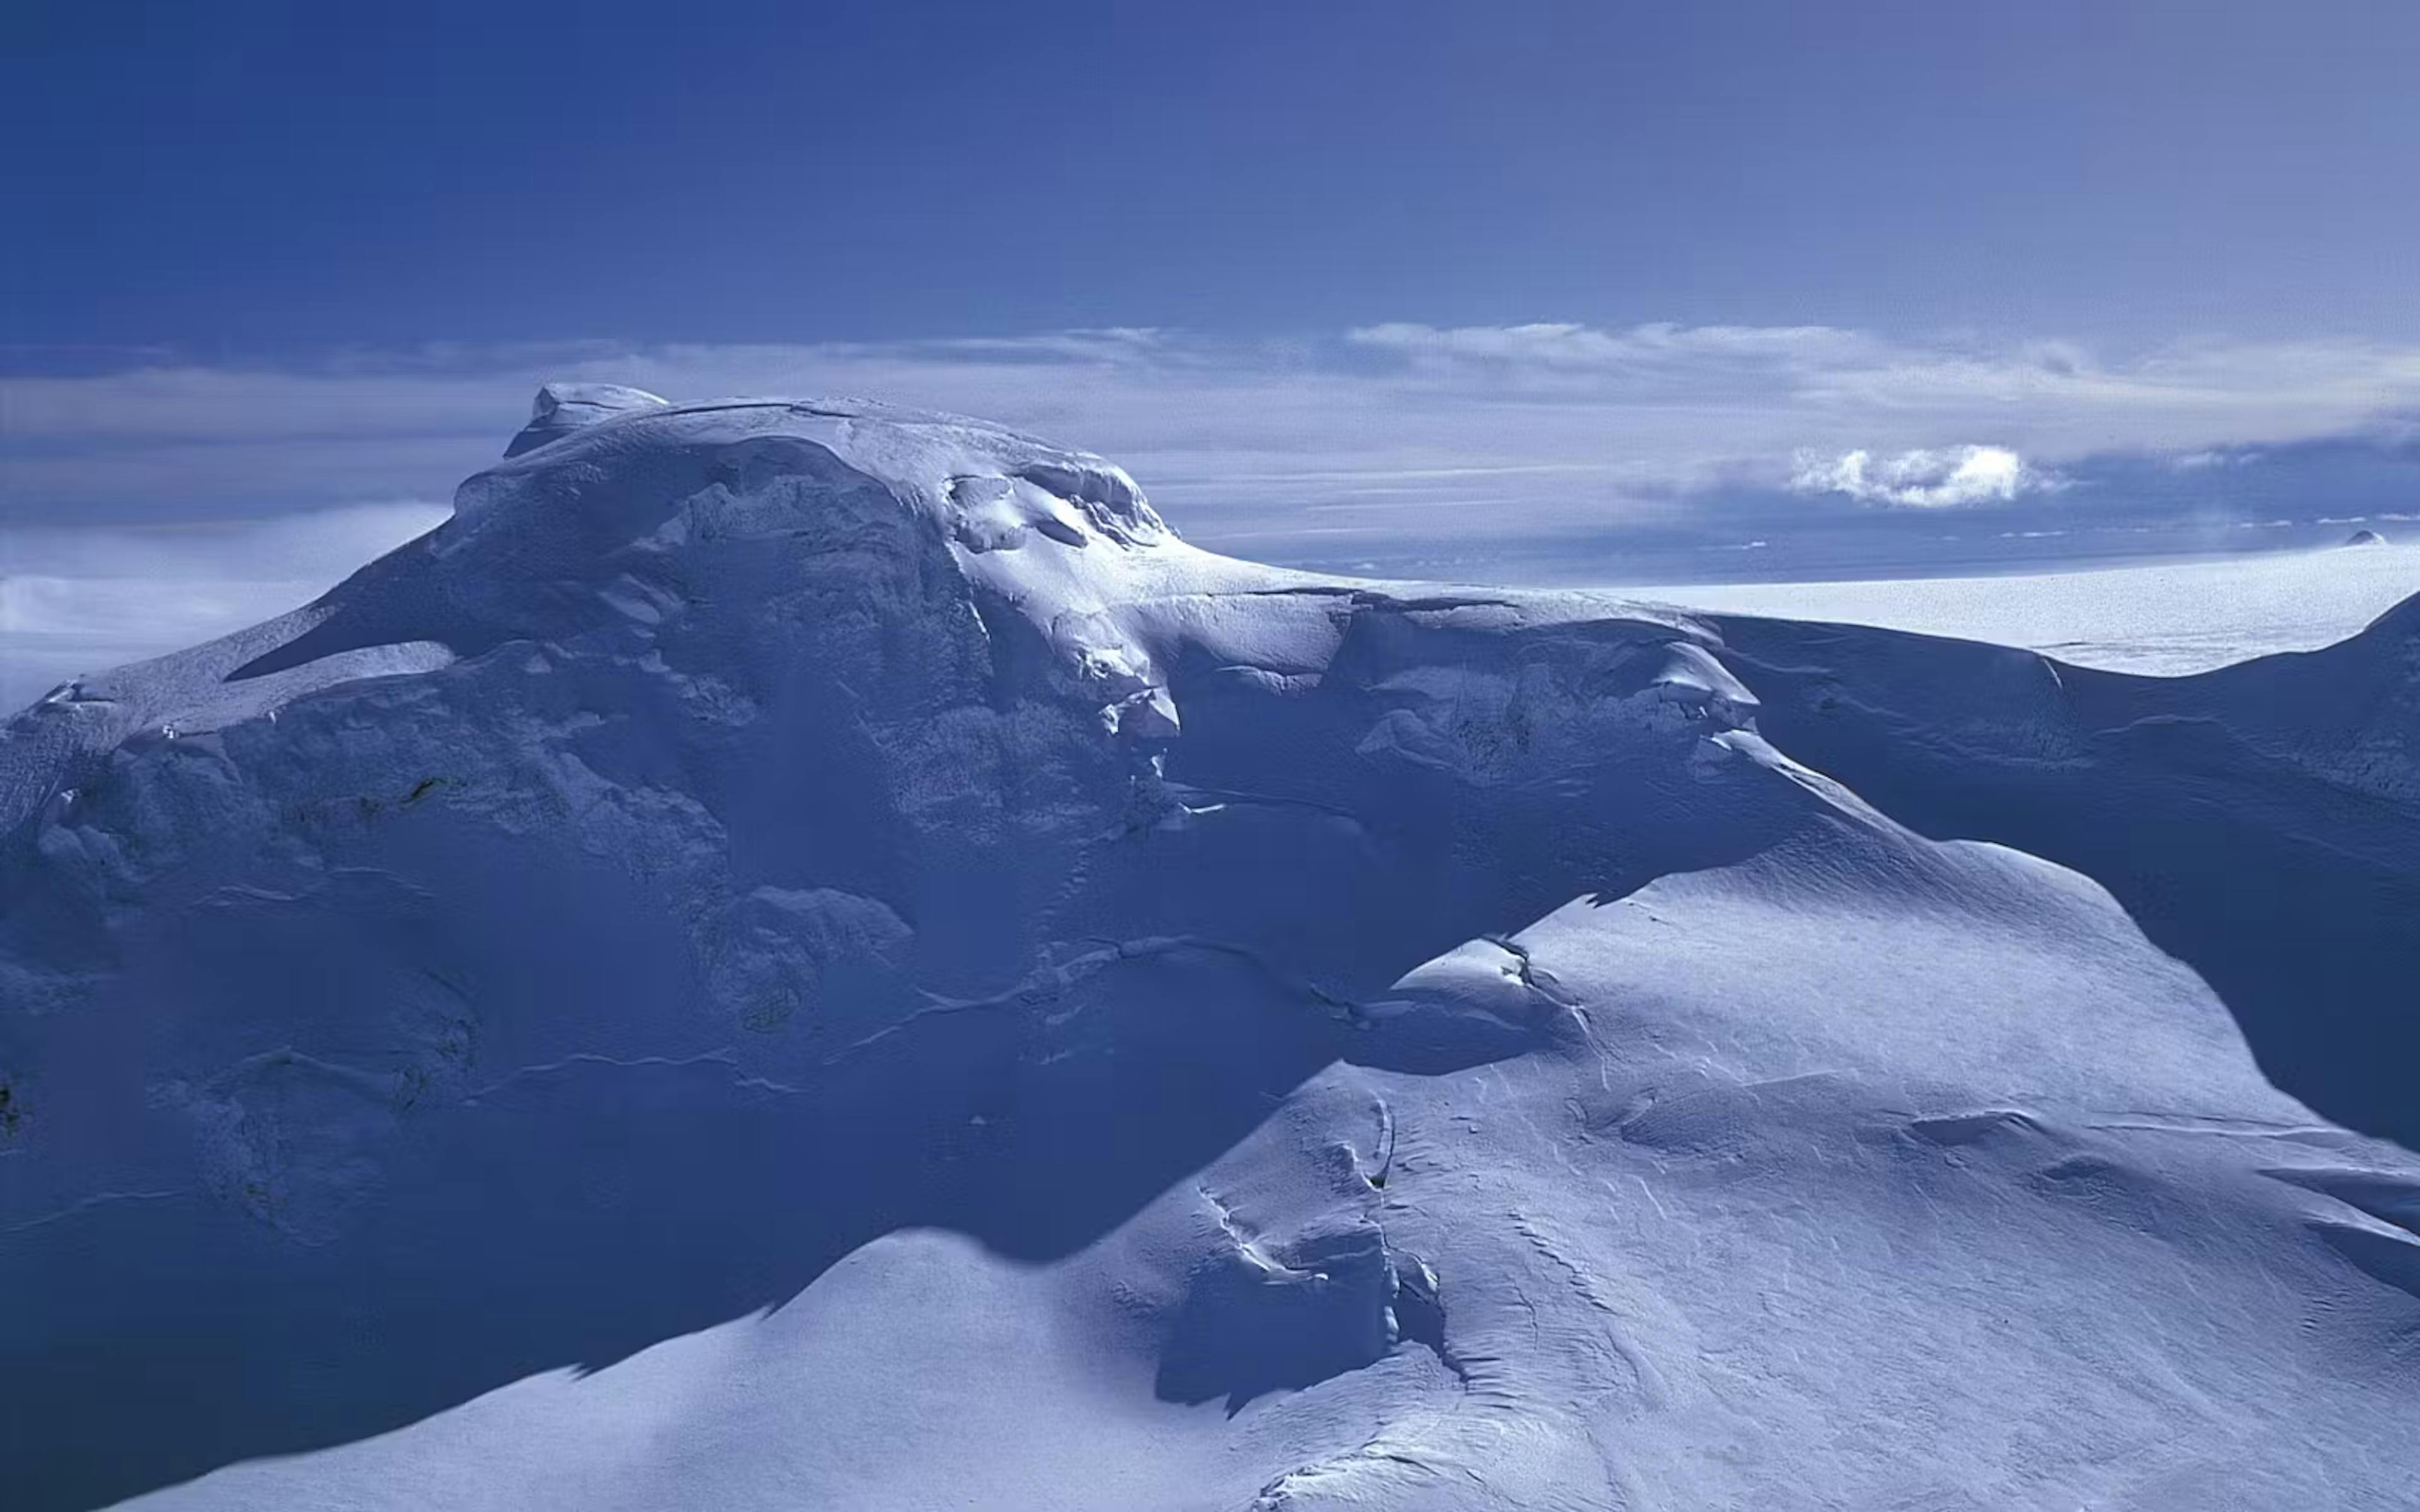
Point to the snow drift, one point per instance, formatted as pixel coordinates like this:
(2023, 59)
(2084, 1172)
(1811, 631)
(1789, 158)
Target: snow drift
(1163, 1031)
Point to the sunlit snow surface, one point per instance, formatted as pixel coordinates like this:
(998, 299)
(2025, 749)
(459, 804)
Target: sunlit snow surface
(2166, 619)
(1163, 1032)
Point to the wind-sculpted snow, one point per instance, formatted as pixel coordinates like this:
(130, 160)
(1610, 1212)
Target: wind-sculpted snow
(1159, 1031)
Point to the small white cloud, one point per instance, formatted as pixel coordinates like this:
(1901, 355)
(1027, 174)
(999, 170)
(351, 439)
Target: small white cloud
(1928, 478)
(2208, 461)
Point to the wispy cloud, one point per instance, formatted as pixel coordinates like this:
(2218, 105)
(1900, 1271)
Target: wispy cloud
(1660, 352)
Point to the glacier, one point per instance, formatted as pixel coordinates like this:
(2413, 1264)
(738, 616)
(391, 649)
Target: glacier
(800, 953)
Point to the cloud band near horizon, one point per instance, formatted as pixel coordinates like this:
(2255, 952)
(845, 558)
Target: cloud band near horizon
(1402, 447)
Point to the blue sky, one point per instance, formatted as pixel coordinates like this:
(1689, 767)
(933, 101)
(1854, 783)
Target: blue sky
(1544, 290)
(251, 178)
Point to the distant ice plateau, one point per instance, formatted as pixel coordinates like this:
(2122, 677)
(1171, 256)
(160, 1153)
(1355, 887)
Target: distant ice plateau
(799, 954)
(2167, 619)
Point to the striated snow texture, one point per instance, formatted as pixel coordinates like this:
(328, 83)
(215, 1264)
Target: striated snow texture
(805, 955)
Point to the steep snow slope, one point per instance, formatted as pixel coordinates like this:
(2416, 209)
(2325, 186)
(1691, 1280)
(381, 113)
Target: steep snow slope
(1159, 1031)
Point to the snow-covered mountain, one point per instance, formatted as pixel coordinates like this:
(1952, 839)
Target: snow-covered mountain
(1160, 1031)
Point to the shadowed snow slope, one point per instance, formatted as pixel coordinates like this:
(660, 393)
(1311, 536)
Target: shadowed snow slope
(1158, 1031)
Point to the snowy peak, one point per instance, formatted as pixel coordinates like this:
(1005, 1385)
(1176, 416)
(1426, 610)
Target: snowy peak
(603, 477)
(730, 542)
(667, 476)
(653, 521)
(561, 408)
(992, 487)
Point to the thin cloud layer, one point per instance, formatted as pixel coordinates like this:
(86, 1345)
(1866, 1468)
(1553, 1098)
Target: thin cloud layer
(1659, 350)
(1571, 426)
(1656, 406)
(1538, 452)
(76, 600)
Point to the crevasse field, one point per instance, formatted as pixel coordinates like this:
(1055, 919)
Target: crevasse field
(808, 956)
